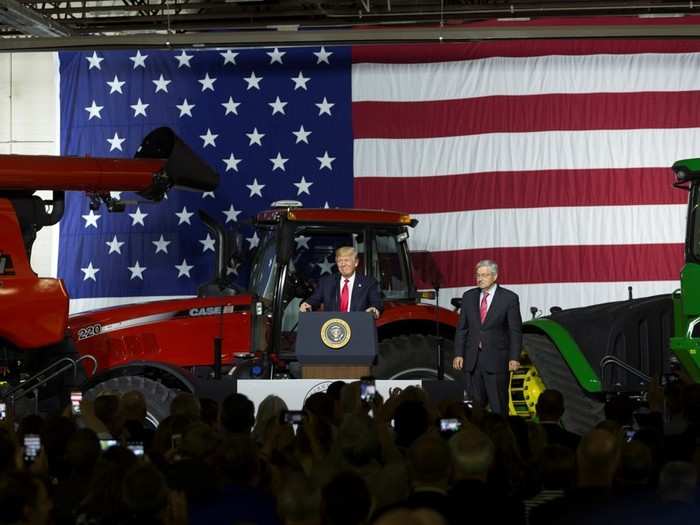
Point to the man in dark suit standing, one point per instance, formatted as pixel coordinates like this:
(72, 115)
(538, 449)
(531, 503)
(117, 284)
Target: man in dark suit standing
(488, 339)
(348, 292)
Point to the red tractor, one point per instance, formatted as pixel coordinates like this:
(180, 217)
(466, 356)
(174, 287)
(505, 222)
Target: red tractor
(206, 343)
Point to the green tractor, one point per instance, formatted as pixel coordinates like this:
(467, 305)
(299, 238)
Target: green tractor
(685, 343)
(596, 351)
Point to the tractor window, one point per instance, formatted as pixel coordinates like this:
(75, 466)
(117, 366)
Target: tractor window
(696, 233)
(315, 253)
(264, 270)
(391, 267)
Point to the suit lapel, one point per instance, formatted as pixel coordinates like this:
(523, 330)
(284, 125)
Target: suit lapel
(336, 293)
(356, 289)
(494, 304)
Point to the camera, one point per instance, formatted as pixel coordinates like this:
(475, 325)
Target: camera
(76, 397)
(292, 417)
(450, 425)
(32, 446)
(367, 389)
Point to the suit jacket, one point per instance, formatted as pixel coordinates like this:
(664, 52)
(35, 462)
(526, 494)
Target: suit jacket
(500, 336)
(365, 293)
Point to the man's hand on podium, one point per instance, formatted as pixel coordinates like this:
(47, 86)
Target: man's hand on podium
(304, 307)
(373, 311)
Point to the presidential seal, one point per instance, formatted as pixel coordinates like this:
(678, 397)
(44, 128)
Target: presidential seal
(335, 333)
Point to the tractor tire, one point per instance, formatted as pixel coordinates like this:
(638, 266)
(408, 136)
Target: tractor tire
(581, 410)
(158, 396)
(414, 357)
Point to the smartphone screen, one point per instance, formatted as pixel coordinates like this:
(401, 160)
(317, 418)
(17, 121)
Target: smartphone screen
(292, 417)
(76, 397)
(106, 444)
(367, 389)
(136, 447)
(450, 425)
(3, 411)
(32, 446)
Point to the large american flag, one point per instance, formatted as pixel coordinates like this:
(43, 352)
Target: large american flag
(550, 157)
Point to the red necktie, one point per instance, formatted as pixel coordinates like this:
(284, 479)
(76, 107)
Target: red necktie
(484, 307)
(345, 297)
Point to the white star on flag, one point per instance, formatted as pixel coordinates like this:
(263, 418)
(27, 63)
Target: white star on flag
(277, 106)
(253, 81)
(94, 61)
(255, 188)
(184, 216)
(326, 266)
(209, 139)
(232, 269)
(94, 110)
(323, 55)
(208, 194)
(325, 161)
(183, 269)
(183, 59)
(324, 107)
(232, 163)
(116, 85)
(116, 195)
(139, 60)
(303, 186)
(90, 272)
(231, 106)
(278, 162)
(255, 137)
(115, 142)
(254, 240)
(229, 57)
(207, 82)
(276, 55)
(115, 246)
(185, 108)
(139, 108)
(302, 242)
(161, 84)
(161, 245)
(300, 81)
(208, 243)
(138, 217)
(231, 214)
(136, 271)
(302, 135)
(91, 219)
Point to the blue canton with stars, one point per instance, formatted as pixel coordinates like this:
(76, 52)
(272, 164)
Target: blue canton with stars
(275, 123)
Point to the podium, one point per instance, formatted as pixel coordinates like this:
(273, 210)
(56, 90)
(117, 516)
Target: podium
(336, 345)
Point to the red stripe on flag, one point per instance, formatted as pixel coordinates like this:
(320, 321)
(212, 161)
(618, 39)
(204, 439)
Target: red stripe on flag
(425, 53)
(561, 264)
(523, 189)
(512, 114)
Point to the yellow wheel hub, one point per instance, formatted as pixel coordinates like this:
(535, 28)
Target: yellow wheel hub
(525, 388)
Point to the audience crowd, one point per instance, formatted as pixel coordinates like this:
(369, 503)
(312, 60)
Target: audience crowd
(349, 462)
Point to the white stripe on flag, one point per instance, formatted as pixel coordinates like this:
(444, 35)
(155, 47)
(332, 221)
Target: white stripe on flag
(526, 76)
(570, 226)
(548, 150)
(570, 295)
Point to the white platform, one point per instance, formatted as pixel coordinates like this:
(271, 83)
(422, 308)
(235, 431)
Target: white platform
(295, 391)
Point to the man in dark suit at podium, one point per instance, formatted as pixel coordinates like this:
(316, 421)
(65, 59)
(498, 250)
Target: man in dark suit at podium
(488, 338)
(347, 292)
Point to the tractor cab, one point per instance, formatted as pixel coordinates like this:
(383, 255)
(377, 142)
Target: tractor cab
(297, 248)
